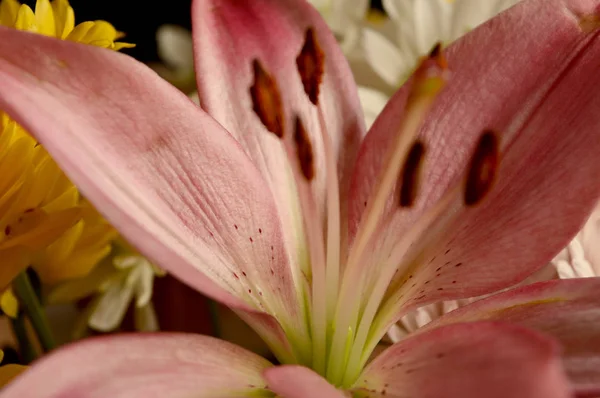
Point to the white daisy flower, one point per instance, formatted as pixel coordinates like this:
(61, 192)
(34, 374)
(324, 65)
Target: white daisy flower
(134, 282)
(581, 258)
(345, 18)
(393, 49)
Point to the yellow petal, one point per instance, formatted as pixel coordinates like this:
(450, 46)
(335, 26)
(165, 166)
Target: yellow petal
(64, 18)
(62, 186)
(98, 33)
(36, 229)
(8, 12)
(52, 266)
(76, 289)
(15, 161)
(9, 372)
(44, 17)
(14, 260)
(75, 253)
(26, 19)
(120, 45)
(79, 264)
(9, 303)
(79, 32)
(68, 198)
(46, 174)
(101, 31)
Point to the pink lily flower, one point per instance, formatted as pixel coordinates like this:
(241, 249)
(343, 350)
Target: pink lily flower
(269, 200)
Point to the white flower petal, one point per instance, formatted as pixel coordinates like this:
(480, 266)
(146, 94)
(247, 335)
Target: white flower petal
(174, 45)
(124, 262)
(581, 258)
(431, 19)
(372, 102)
(143, 284)
(145, 319)
(384, 57)
(111, 307)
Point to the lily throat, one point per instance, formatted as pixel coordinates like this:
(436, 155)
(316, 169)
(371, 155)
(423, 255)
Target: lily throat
(352, 282)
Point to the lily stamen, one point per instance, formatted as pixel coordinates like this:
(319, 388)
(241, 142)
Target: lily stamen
(431, 229)
(429, 80)
(311, 67)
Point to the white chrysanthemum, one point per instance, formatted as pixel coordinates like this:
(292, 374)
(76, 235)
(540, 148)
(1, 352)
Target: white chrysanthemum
(421, 317)
(174, 47)
(344, 17)
(134, 282)
(581, 258)
(393, 49)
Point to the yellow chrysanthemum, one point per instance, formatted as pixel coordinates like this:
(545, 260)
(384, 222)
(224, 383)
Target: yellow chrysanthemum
(9, 303)
(56, 19)
(124, 278)
(43, 220)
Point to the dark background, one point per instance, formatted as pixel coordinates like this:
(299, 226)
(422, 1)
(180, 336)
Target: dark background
(138, 19)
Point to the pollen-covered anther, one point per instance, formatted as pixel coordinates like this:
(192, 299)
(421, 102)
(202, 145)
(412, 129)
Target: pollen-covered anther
(266, 100)
(589, 23)
(311, 65)
(436, 55)
(482, 169)
(411, 175)
(432, 73)
(304, 150)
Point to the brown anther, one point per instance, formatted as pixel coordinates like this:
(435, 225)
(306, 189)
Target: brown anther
(589, 23)
(431, 75)
(436, 50)
(266, 100)
(482, 169)
(304, 150)
(311, 65)
(411, 174)
(436, 54)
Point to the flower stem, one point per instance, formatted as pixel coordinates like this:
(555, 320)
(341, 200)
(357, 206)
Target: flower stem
(34, 310)
(26, 350)
(213, 309)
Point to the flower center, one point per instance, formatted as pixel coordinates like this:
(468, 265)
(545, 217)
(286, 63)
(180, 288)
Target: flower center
(344, 296)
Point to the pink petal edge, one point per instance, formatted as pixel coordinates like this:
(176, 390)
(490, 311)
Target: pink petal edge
(488, 359)
(568, 310)
(293, 381)
(144, 366)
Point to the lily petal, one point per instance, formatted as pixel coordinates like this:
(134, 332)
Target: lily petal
(228, 36)
(488, 359)
(568, 310)
(144, 365)
(164, 173)
(293, 381)
(529, 74)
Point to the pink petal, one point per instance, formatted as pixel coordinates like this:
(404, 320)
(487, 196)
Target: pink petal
(568, 310)
(143, 365)
(530, 74)
(468, 360)
(228, 36)
(293, 381)
(172, 180)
